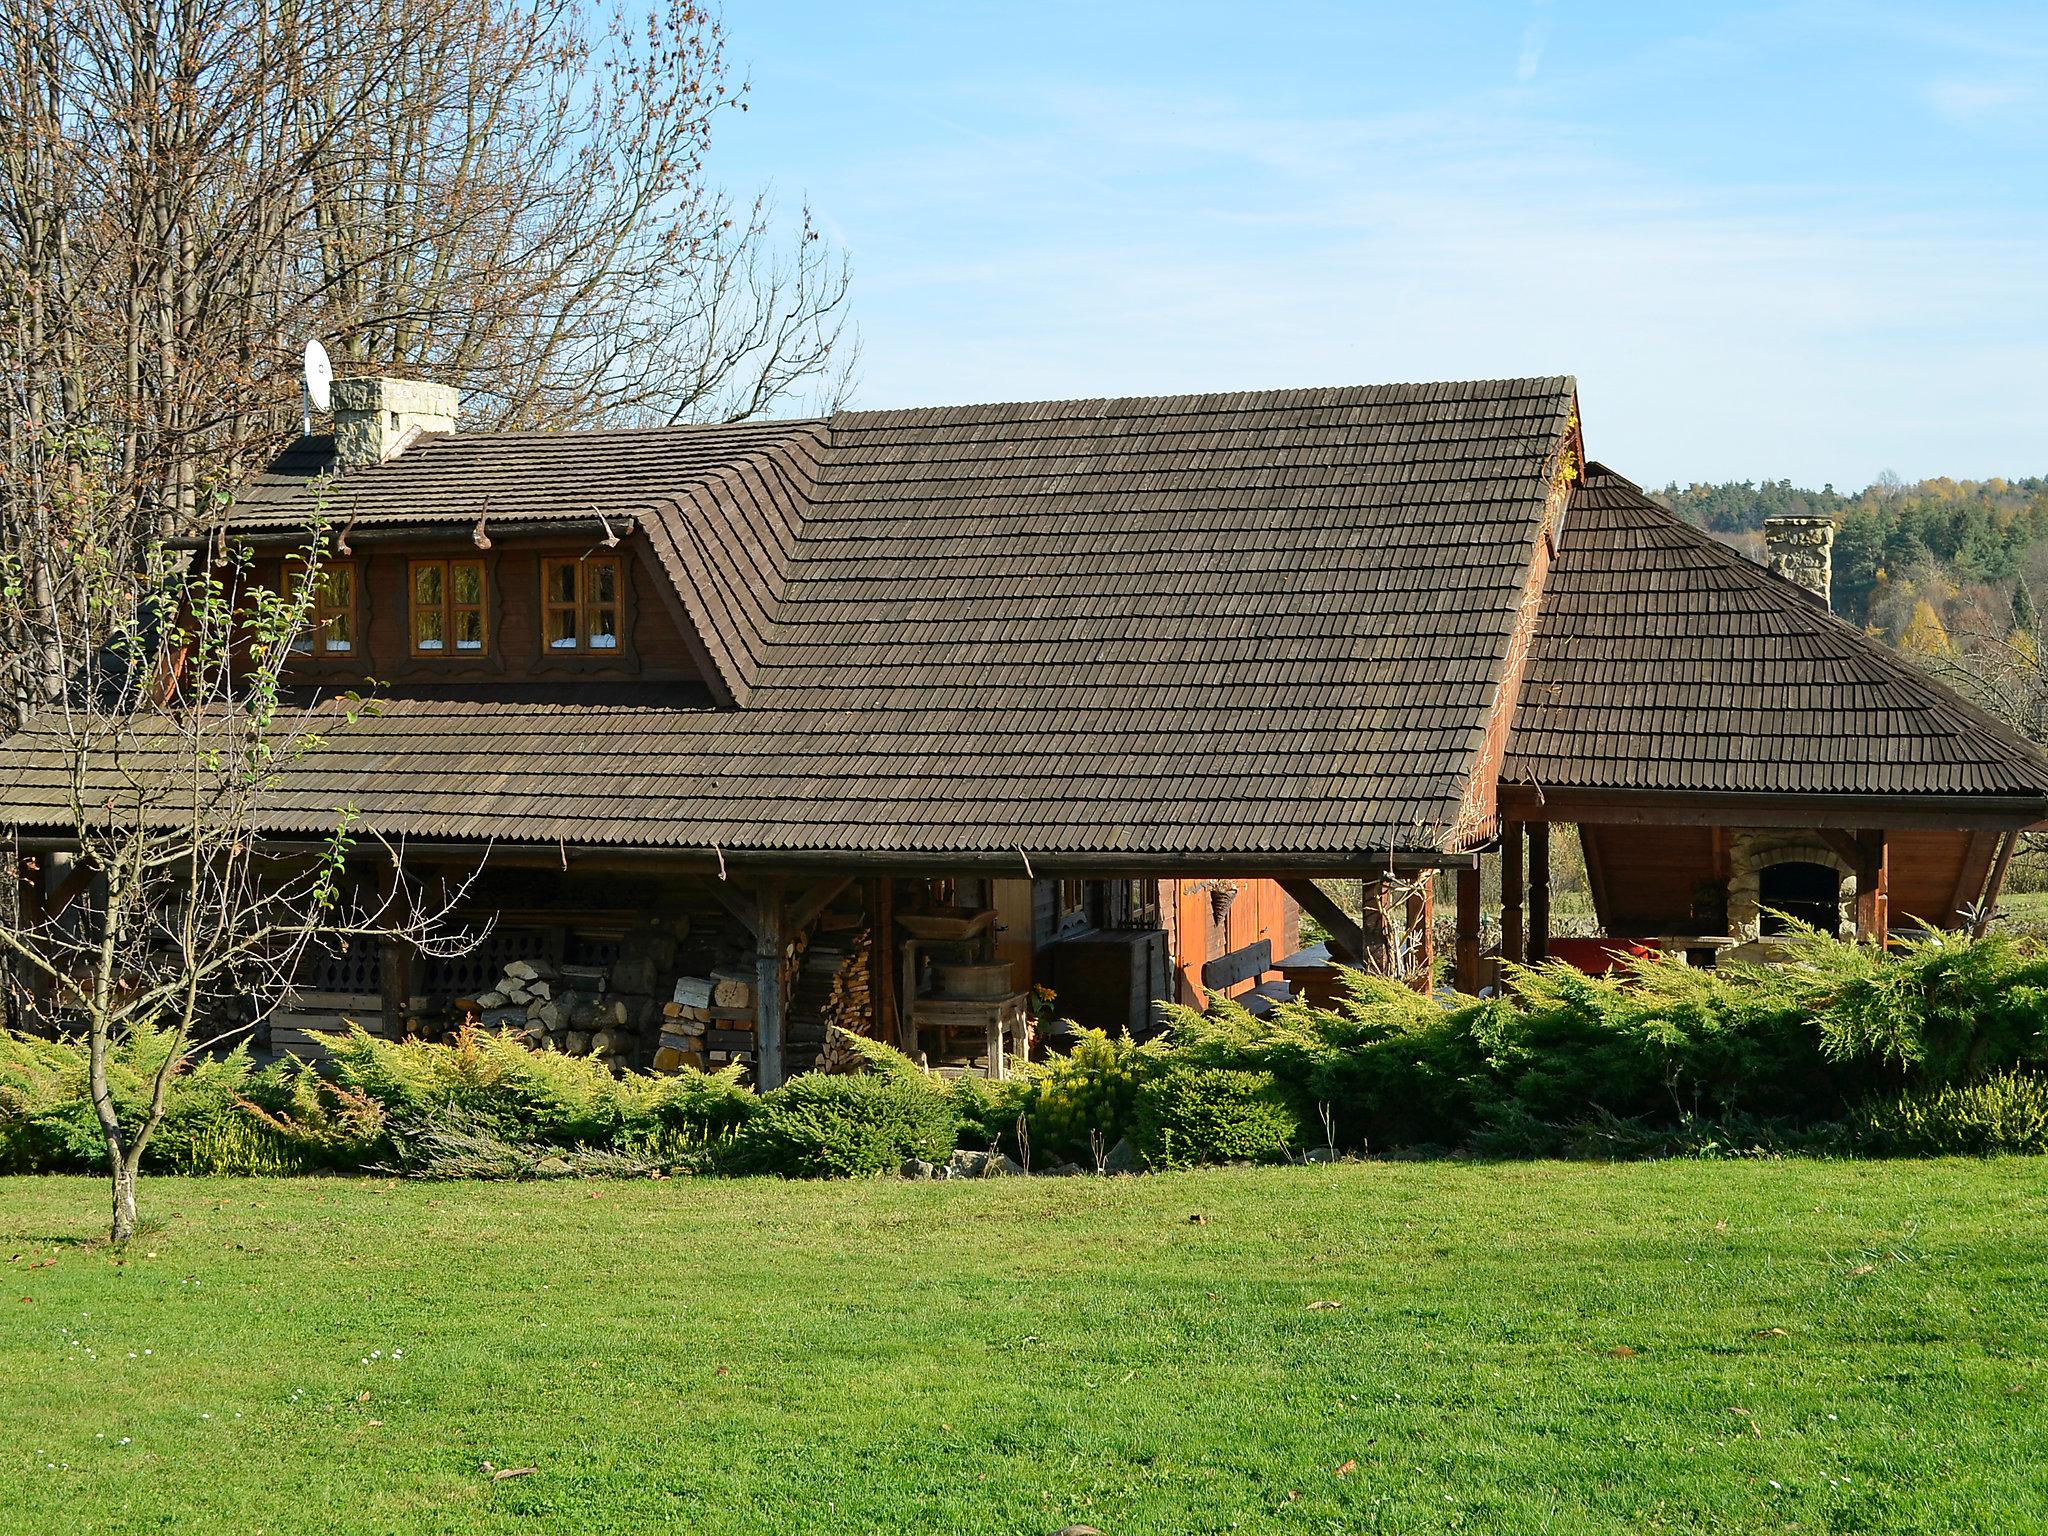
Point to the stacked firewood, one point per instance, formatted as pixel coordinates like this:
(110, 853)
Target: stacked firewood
(708, 1024)
(849, 1008)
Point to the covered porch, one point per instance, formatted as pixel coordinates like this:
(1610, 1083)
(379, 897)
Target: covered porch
(1712, 877)
(663, 961)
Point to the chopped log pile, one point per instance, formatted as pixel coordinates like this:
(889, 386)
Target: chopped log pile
(849, 1007)
(566, 1008)
(709, 1023)
(674, 988)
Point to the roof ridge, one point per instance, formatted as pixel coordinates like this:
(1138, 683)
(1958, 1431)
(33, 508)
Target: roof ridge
(1426, 391)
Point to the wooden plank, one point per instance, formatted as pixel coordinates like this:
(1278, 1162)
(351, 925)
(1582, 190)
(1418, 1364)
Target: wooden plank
(1596, 879)
(1708, 808)
(882, 964)
(1347, 938)
(1468, 931)
(1225, 972)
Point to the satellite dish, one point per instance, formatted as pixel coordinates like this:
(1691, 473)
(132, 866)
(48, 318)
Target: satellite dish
(319, 375)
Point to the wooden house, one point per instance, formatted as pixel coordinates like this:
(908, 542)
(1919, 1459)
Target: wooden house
(883, 719)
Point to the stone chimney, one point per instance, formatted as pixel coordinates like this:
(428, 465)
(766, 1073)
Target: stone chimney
(375, 418)
(1801, 549)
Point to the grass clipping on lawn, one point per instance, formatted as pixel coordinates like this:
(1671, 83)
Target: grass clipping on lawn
(1674, 1346)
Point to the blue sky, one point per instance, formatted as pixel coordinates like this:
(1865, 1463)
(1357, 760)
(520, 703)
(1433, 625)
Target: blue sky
(1805, 240)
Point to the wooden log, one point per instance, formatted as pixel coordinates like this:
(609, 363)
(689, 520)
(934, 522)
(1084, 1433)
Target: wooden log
(1347, 937)
(1422, 932)
(1873, 889)
(770, 940)
(1511, 893)
(1468, 930)
(1994, 885)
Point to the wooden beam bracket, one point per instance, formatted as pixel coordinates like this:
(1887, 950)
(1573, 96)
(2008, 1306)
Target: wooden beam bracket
(1347, 937)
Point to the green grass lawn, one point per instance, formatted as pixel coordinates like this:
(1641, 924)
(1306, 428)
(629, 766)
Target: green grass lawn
(1537, 1347)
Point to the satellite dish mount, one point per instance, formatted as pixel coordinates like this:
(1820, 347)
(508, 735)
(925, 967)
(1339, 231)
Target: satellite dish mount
(319, 380)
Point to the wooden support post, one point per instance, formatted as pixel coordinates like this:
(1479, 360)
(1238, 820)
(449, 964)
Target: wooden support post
(1994, 885)
(1539, 892)
(1511, 893)
(882, 959)
(26, 989)
(1978, 853)
(394, 956)
(1873, 889)
(1468, 929)
(771, 938)
(1422, 932)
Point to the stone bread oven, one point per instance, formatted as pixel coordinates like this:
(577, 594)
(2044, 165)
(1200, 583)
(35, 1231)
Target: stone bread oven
(1751, 853)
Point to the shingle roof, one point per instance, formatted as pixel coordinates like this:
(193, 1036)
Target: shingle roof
(1224, 625)
(1665, 661)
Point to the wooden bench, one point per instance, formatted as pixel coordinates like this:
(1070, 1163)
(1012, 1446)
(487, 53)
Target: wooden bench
(1227, 971)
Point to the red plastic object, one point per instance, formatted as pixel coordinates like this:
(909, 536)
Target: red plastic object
(1596, 957)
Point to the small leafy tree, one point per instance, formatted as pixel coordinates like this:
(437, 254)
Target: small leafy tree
(150, 900)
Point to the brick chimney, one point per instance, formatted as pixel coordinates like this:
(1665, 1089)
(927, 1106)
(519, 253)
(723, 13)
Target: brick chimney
(375, 418)
(1801, 549)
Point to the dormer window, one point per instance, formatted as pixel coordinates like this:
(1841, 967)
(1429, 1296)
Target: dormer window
(330, 612)
(580, 604)
(448, 608)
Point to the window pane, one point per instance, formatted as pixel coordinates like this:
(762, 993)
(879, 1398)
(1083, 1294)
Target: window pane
(561, 582)
(426, 629)
(341, 631)
(469, 630)
(467, 579)
(561, 630)
(341, 585)
(426, 585)
(604, 582)
(604, 629)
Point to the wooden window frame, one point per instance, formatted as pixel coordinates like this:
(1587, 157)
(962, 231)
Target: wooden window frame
(583, 606)
(448, 608)
(313, 641)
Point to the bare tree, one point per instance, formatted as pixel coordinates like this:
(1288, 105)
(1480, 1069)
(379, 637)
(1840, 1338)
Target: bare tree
(506, 195)
(164, 912)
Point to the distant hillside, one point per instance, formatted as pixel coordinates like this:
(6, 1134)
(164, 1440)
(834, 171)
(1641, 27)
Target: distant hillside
(1954, 543)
